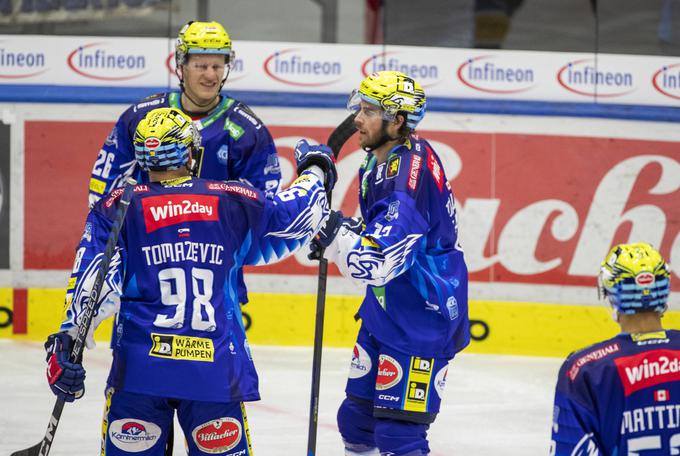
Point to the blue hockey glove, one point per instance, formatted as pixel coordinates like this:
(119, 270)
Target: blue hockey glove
(327, 233)
(307, 155)
(66, 379)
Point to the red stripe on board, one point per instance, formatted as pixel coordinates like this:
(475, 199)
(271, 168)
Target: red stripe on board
(20, 312)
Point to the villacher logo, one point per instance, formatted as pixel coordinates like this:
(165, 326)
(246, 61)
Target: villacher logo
(489, 74)
(427, 75)
(298, 67)
(101, 61)
(666, 81)
(583, 77)
(15, 64)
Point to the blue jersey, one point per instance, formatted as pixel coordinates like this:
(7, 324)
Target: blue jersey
(620, 397)
(179, 331)
(408, 255)
(235, 146)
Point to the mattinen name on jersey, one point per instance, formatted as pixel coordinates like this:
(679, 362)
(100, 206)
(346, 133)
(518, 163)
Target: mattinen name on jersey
(173, 252)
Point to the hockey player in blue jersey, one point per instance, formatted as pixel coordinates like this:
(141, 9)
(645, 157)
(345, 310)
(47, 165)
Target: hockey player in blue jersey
(236, 145)
(414, 314)
(621, 397)
(179, 341)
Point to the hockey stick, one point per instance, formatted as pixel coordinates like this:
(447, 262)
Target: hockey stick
(43, 448)
(336, 140)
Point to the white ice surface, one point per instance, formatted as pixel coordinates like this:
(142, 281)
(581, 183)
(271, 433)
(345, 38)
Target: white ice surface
(494, 405)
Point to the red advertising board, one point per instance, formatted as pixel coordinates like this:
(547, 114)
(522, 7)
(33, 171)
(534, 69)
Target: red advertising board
(538, 209)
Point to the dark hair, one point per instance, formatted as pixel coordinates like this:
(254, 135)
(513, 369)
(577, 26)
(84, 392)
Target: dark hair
(404, 130)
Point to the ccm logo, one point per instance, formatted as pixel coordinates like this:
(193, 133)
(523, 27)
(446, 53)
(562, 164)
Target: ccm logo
(387, 397)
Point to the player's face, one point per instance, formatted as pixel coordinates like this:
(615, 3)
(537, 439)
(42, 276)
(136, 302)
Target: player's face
(203, 75)
(369, 120)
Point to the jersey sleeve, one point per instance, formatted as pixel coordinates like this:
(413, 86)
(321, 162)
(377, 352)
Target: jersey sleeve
(574, 427)
(115, 161)
(89, 255)
(258, 162)
(288, 222)
(388, 245)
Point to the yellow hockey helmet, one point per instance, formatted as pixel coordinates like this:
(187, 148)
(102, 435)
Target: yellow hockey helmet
(635, 278)
(203, 38)
(394, 92)
(163, 139)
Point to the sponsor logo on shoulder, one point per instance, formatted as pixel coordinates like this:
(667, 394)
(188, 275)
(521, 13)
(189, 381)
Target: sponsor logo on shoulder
(435, 169)
(218, 436)
(233, 188)
(134, 436)
(589, 357)
(249, 116)
(389, 373)
(140, 188)
(414, 171)
(647, 369)
(113, 196)
(146, 104)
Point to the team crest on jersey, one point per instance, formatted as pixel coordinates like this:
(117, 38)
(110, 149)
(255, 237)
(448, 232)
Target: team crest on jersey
(218, 436)
(393, 166)
(392, 211)
(223, 154)
(87, 234)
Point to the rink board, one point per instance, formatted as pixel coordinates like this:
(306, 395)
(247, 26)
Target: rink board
(515, 328)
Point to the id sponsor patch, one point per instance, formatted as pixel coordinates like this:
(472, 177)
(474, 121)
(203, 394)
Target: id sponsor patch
(647, 369)
(361, 362)
(389, 373)
(167, 210)
(97, 186)
(134, 436)
(418, 384)
(218, 436)
(182, 347)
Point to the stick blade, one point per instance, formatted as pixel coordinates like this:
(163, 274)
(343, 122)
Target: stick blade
(32, 451)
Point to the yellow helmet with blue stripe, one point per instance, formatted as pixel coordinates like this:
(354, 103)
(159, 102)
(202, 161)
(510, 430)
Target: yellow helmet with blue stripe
(635, 278)
(394, 92)
(203, 38)
(163, 139)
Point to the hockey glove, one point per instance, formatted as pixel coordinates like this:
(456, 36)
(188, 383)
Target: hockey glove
(307, 155)
(327, 233)
(66, 379)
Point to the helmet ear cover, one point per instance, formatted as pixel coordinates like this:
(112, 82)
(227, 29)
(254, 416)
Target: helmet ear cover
(634, 278)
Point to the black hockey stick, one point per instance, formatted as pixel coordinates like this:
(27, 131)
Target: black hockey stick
(336, 140)
(43, 448)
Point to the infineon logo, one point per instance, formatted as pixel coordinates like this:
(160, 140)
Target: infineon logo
(300, 67)
(427, 75)
(491, 74)
(583, 78)
(16, 64)
(666, 81)
(166, 210)
(103, 61)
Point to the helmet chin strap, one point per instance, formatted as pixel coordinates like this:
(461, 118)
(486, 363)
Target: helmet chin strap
(384, 137)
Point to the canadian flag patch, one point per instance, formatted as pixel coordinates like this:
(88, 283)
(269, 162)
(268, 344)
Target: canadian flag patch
(661, 395)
